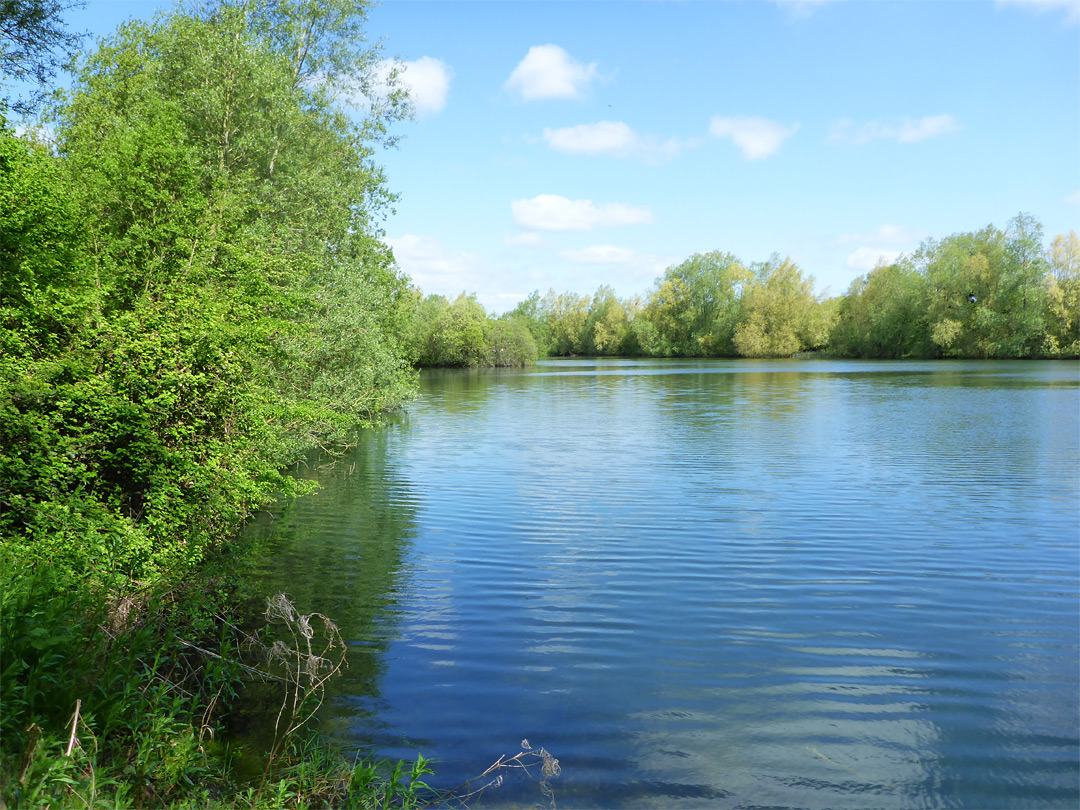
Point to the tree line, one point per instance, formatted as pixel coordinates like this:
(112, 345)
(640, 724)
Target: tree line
(991, 293)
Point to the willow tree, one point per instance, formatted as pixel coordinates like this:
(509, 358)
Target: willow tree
(696, 305)
(781, 313)
(1063, 297)
(986, 290)
(566, 316)
(883, 314)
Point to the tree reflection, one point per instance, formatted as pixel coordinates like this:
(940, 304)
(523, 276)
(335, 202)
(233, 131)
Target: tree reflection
(343, 552)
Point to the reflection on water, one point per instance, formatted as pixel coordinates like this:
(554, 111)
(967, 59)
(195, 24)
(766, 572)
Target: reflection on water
(344, 552)
(732, 584)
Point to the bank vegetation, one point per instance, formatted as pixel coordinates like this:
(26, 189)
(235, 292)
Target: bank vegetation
(194, 295)
(989, 294)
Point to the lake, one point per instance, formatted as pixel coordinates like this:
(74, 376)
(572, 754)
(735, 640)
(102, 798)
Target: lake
(730, 584)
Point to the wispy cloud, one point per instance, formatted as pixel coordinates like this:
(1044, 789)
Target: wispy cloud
(547, 71)
(884, 246)
(598, 254)
(906, 130)
(865, 259)
(431, 265)
(801, 9)
(524, 239)
(1070, 7)
(598, 264)
(613, 138)
(550, 212)
(1072, 199)
(757, 138)
(428, 82)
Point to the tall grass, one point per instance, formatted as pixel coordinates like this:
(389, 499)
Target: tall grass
(108, 702)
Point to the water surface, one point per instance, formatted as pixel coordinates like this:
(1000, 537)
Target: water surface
(730, 584)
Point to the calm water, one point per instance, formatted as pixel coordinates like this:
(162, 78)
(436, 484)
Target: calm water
(742, 584)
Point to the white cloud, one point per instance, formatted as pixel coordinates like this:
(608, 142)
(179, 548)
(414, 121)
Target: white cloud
(613, 138)
(598, 254)
(426, 79)
(428, 82)
(38, 133)
(590, 139)
(757, 138)
(865, 259)
(885, 235)
(800, 9)
(550, 212)
(526, 239)
(547, 71)
(431, 266)
(1072, 199)
(1070, 7)
(907, 130)
(885, 245)
(627, 270)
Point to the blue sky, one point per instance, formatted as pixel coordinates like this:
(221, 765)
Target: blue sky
(567, 145)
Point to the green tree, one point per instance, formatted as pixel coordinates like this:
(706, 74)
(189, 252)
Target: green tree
(509, 343)
(1063, 297)
(531, 313)
(460, 334)
(216, 242)
(781, 313)
(883, 314)
(696, 305)
(607, 327)
(46, 295)
(35, 43)
(986, 291)
(566, 315)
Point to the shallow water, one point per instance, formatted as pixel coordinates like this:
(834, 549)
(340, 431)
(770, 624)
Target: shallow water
(813, 584)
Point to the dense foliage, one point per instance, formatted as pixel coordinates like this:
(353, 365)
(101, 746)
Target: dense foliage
(194, 294)
(711, 305)
(461, 333)
(987, 294)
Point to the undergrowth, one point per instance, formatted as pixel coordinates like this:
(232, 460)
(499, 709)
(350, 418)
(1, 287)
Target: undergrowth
(110, 702)
(117, 703)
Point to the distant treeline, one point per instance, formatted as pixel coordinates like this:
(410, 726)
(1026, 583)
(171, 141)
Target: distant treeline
(991, 293)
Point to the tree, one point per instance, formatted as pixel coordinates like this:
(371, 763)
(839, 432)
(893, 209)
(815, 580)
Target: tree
(1063, 297)
(607, 327)
(45, 294)
(459, 334)
(986, 291)
(214, 216)
(695, 306)
(566, 315)
(883, 314)
(510, 343)
(34, 45)
(531, 313)
(781, 314)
